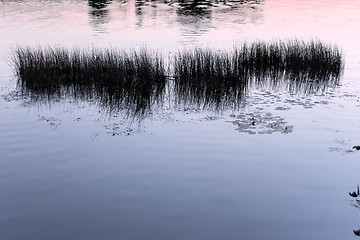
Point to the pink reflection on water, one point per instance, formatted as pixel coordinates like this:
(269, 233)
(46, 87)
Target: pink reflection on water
(162, 26)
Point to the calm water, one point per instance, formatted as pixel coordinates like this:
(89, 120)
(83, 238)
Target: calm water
(71, 170)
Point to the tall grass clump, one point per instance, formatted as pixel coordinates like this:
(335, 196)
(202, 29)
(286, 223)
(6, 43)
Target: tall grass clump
(207, 76)
(315, 60)
(113, 78)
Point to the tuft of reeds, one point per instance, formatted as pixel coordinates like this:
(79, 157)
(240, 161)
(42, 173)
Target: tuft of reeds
(138, 79)
(206, 76)
(113, 78)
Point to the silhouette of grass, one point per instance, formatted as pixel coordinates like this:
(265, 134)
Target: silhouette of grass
(207, 76)
(113, 77)
(118, 79)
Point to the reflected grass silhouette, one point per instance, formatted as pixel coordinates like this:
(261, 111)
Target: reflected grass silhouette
(113, 78)
(206, 76)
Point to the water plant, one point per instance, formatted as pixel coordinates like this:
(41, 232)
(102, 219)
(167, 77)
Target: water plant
(113, 78)
(222, 76)
(205, 77)
(202, 76)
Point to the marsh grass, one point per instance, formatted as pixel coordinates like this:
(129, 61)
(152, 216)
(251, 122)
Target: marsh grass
(113, 78)
(138, 80)
(205, 76)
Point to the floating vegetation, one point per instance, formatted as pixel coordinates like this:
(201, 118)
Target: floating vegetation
(202, 77)
(261, 123)
(344, 146)
(205, 76)
(52, 121)
(114, 79)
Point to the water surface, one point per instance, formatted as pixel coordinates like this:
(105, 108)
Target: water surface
(70, 169)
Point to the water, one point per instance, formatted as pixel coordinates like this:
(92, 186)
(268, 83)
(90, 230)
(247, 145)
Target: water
(71, 170)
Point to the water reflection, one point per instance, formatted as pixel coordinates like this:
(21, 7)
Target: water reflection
(203, 78)
(218, 96)
(99, 14)
(196, 16)
(139, 4)
(114, 80)
(193, 17)
(200, 8)
(138, 100)
(219, 79)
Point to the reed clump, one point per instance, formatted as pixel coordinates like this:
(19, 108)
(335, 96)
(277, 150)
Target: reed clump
(118, 79)
(205, 77)
(112, 77)
(222, 77)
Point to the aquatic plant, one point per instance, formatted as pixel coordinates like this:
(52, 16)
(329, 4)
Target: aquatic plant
(111, 77)
(205, 77)
(224, 76)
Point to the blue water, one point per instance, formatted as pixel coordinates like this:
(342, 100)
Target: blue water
(70, 170)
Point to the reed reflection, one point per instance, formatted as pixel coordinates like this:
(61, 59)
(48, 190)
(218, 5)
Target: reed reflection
(221, 79)
(202, 78)
(115, 80)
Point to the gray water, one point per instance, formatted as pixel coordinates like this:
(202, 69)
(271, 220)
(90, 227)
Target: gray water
(72, 170)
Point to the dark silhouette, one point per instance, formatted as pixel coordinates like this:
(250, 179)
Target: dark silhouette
(99, 4)
(99, 14)
(194, 7)
(356, 204)
(217, 79)
(355, 194)
(356, 148)
(116, 80)
(139, 12)
(202, 78)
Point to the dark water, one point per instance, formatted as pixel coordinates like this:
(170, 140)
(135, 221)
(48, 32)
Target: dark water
(278, 166)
